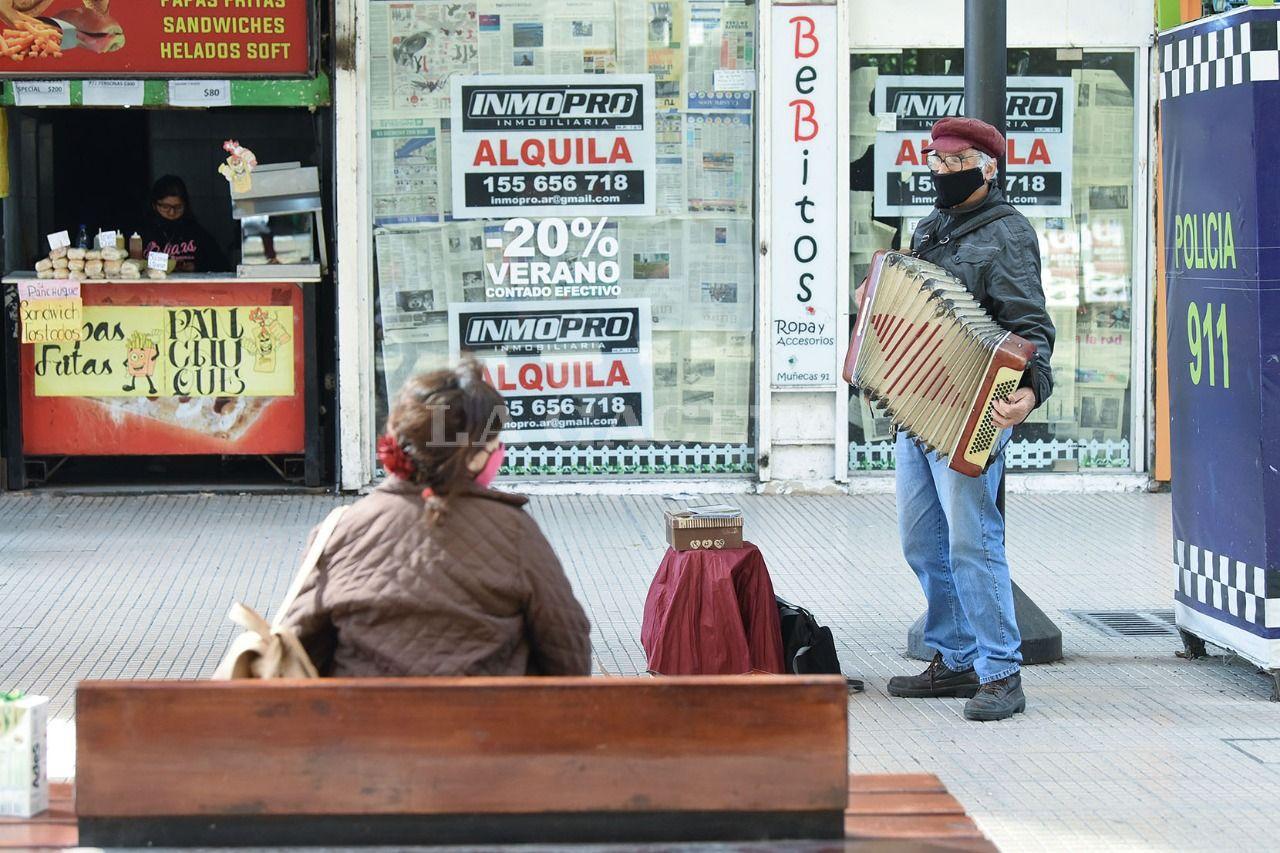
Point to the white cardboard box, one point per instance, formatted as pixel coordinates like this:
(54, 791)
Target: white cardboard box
(24, 756)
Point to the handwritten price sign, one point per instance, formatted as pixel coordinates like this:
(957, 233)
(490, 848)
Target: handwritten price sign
(199, 93)
(50, 311)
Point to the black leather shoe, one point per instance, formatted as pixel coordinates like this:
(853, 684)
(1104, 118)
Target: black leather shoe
(997, 700)
(935, 682)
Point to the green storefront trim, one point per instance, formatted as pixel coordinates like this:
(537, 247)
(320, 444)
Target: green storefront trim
(312, 92)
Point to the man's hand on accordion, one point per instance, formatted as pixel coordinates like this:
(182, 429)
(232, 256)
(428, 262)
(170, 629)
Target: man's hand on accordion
(1014, 409)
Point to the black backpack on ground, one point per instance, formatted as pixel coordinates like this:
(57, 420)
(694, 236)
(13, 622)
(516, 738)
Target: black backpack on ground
(807, 647)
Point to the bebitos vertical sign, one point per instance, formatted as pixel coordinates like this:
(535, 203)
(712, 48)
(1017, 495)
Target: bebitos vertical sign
(802, 231)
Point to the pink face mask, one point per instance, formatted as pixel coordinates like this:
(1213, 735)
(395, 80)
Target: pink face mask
(490, 470)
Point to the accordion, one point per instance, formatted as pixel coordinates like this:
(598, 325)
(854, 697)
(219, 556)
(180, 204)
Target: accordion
(927, 353)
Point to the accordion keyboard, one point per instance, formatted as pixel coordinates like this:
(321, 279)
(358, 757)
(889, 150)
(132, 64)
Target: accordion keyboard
(928, 354)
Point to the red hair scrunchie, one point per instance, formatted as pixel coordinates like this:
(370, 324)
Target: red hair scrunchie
(394, 459)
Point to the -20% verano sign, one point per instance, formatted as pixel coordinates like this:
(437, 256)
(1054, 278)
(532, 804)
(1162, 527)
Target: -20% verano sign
(554, 258)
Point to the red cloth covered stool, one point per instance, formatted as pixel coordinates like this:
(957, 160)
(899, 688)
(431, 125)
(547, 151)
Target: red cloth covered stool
(712, 613)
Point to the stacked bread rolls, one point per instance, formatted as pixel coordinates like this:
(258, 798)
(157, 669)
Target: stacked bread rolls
(83, 264)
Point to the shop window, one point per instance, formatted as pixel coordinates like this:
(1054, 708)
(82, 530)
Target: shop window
(692, 260)
(1085, 228)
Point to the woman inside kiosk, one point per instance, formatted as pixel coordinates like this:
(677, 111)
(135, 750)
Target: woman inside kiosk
(172, 228)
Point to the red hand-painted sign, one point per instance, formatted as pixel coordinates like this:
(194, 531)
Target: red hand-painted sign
(155, 38)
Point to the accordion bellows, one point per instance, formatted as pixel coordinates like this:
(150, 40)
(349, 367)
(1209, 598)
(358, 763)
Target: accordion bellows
(926, 352)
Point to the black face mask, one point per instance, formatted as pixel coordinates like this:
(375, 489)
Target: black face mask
(953, 188)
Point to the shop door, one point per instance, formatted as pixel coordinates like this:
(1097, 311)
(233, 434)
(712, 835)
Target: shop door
(1071, 171)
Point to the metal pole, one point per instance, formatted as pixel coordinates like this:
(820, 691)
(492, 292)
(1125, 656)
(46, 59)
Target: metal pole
(986, 63)
(985, 78)
(986, 67)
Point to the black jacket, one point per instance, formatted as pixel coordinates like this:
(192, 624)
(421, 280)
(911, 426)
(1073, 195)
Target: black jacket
(1000, 265)
(184, 240)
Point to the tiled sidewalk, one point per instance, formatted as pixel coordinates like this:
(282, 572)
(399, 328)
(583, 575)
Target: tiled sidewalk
(1124, 747)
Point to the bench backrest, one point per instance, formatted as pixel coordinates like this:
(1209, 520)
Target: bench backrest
(483, 746)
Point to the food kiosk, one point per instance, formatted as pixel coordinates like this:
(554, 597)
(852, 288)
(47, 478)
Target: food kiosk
(111, 348)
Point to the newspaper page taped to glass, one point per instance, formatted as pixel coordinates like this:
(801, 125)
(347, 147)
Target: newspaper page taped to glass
(415, 47)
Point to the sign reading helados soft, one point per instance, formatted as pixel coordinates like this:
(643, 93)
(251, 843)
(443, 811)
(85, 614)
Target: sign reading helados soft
(546, 145)
(157, 38)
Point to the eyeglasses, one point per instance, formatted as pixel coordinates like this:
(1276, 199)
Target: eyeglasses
(951, 161)
(170, 208)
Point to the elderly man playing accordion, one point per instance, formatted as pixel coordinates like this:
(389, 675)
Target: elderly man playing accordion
(952, 532)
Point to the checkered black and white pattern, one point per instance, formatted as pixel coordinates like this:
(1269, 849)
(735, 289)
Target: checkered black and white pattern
(1247, 592)
(1200, 62)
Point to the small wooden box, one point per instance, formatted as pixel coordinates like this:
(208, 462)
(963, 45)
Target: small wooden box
(698, 529)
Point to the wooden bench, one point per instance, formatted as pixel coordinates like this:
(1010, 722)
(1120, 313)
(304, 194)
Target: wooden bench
(910, 807)
(895, 808)
(460, 761)
(54, 829)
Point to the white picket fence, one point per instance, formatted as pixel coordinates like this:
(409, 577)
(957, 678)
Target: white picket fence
(635, 459)
(740, 458)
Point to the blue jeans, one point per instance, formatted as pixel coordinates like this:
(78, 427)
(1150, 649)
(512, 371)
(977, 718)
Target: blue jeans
(953, 538)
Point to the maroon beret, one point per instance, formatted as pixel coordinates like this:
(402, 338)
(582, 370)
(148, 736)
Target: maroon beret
(953, 135)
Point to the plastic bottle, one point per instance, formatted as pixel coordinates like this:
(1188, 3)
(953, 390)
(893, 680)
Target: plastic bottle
(135, 246)
(82, 238)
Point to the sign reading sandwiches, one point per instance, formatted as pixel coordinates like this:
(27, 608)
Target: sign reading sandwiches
(549, 145)
(155, 38)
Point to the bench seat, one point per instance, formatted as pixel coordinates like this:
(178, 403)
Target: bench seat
(449, 761)
(879, 809)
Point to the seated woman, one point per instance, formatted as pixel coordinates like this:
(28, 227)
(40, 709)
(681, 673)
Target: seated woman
(434, 573)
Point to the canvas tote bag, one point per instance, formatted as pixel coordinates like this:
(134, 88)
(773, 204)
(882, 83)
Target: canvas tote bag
(269, 650)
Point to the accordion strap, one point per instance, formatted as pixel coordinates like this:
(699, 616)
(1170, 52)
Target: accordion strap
(986, 217)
